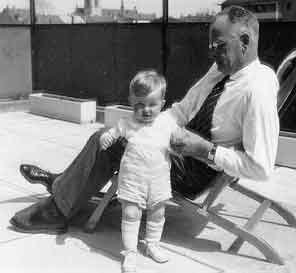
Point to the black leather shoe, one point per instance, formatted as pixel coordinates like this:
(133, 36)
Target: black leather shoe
(41, 217)
(35, 175)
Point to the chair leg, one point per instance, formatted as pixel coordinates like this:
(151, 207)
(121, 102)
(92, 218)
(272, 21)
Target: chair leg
(96, 216)
(284, 213)
(218, 186)
(278, 208)
(269, 253)
(250, 225)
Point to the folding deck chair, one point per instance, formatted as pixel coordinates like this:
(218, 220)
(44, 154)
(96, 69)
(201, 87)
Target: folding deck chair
(244, 233)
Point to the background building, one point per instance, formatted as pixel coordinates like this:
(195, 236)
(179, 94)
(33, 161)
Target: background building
(12, 15)
(93, 12)
(282, 10)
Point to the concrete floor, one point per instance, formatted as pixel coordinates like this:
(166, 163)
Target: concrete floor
(52, 144)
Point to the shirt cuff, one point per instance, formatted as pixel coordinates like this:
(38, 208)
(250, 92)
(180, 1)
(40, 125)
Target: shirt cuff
(219, 158)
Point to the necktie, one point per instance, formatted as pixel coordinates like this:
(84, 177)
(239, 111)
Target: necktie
(202, 122)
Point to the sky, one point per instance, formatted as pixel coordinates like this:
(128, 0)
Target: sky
(176, 7)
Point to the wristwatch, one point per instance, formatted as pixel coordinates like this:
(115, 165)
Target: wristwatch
(212, 153)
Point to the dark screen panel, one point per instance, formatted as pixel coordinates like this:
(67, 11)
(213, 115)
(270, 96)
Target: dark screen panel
(137, 48)
(188, 57)
(51, 52)
(93, 62)
(99, 60)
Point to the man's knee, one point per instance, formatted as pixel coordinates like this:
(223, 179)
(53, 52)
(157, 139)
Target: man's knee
(94, 140)
(97, 135)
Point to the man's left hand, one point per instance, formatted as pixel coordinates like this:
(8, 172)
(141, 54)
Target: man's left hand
(188, 143)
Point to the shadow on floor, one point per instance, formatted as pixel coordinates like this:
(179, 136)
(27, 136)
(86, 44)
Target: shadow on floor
(181, 230)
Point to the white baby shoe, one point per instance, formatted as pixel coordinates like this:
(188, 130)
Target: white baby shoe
(129, 261)
(154, 251)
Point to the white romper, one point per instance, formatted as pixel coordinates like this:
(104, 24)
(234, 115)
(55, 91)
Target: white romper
(144, 175)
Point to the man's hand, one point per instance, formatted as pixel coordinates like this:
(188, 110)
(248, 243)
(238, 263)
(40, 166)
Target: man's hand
(187, 143)
(106, 141)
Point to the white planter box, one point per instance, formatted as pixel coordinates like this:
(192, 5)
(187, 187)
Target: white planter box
(62, 107)
(286, 150)
(100, 114)
(115, 112)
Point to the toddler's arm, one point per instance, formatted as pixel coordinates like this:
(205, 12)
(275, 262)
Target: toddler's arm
(110, 136)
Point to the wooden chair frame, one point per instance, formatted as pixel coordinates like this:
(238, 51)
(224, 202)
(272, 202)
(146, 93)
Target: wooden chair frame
(244, 233)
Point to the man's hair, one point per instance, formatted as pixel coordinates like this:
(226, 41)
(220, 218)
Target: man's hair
(237, 14)
(146, 82)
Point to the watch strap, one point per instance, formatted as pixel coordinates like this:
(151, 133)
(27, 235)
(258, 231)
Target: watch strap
(212, 153)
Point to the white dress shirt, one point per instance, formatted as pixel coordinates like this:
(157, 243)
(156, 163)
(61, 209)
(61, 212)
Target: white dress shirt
(245, 119)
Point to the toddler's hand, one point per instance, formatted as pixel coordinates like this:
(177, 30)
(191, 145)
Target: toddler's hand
(106, 141)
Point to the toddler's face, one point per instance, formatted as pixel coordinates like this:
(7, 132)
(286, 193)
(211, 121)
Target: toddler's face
(147, 108)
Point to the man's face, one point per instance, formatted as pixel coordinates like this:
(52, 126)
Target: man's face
(226, 46)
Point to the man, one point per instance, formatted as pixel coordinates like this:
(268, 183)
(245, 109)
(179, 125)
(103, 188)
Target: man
(231, 125)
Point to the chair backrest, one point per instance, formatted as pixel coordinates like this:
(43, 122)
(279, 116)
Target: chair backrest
(286, 74)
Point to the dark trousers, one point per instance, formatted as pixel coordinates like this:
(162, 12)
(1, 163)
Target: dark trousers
(93, 168)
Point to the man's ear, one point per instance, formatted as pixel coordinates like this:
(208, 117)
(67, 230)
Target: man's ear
(245, 40)
(163, 103)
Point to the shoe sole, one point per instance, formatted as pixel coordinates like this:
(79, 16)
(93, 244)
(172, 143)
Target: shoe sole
(18, 228)
(35, 181)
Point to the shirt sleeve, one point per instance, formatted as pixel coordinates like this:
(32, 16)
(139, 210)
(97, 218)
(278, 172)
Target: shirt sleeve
(184, 110)
(260, 127)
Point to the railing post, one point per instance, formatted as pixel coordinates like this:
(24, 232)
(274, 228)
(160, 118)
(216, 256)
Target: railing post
(165, 19)
(32, 12)
(33, 46)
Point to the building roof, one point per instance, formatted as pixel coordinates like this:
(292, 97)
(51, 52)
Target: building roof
(98, 19)
(22, 16)
(14, 16)
(7, 19)
(239, 2)
(48, 19)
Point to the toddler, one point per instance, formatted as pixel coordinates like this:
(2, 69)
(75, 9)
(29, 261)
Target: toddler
(144, 175)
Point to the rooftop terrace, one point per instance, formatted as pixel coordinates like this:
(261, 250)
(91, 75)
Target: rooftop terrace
(52, 144)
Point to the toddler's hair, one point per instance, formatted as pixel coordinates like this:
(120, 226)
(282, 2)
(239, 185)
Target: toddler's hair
(146, 82)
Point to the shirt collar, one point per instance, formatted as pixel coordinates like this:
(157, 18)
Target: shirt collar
(245, 70)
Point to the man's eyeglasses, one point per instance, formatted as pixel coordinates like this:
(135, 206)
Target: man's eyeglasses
(218, 46)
